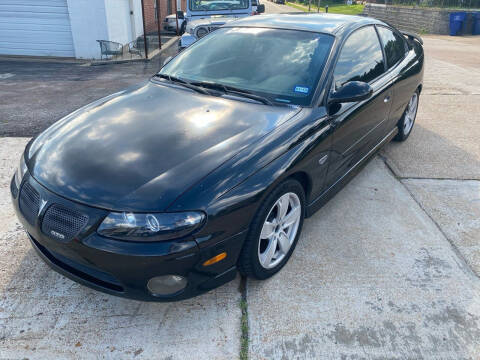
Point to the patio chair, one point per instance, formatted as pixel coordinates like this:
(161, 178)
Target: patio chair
(110, 48)
(140, 44)
(135, 49)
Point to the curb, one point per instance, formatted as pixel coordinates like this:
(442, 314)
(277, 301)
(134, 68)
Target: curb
(49, 59)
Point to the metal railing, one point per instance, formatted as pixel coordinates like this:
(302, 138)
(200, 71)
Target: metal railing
(150, 31)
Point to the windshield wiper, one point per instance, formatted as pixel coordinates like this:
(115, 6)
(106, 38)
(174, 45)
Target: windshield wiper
(184, 83)
(233, 90)
(227, 89)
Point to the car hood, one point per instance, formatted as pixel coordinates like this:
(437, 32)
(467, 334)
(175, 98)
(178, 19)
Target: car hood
(139, 149)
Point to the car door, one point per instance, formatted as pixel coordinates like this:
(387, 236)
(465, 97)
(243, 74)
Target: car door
(396, 50)
(358, 125)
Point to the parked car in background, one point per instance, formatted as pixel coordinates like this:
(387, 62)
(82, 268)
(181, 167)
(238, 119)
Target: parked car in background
(205, 16)
(163, 191)
(170, 23)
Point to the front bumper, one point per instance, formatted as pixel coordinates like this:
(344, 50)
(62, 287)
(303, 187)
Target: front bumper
(124, 268)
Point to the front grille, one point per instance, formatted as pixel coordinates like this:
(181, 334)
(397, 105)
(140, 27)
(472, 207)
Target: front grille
(62, 223)
(29, 203)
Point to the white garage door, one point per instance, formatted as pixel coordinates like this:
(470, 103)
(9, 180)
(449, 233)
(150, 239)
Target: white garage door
(35, 27)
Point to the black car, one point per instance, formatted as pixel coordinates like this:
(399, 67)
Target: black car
(164, 190)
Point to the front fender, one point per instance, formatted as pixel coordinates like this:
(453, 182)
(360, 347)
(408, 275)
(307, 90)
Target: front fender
(232, 213)
(308, 128)
(248, 195)
(239, 204)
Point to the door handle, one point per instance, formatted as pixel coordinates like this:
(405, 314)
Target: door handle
(386, 99)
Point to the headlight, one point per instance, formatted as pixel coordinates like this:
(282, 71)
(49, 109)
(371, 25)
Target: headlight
(201, 32)
(150, 227)
(21, 170)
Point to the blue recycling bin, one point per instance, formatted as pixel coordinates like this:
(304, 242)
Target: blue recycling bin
(476, 23)
(456, 22)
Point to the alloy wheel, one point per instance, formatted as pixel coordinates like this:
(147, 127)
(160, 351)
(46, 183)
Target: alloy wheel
(279, 230)
(410, 114)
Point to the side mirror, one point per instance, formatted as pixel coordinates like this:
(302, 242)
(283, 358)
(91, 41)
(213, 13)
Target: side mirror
(260, 8)
(352, 91)
(180, 14)
(167, 60)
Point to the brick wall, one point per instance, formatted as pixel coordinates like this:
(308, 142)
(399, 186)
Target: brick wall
(419, 20)
(167, 7)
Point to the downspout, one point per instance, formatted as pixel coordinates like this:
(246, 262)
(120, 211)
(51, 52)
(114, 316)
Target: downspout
(133, 26)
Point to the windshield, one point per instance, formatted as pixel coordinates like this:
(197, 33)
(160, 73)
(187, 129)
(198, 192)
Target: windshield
(281, 65)
(217, 5)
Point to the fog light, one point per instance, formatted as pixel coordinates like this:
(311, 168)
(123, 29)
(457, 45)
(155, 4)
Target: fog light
(166, 284)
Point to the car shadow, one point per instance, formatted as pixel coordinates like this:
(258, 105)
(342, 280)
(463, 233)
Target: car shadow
(426, 154)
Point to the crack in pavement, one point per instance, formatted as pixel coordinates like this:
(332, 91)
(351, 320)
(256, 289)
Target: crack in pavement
(434, 178)
(460, 93)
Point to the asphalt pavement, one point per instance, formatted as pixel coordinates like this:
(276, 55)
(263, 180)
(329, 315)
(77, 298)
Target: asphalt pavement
(273, 8)
(34, 93)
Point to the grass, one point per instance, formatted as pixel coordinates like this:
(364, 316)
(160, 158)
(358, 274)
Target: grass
(244, 325)
(333, 8)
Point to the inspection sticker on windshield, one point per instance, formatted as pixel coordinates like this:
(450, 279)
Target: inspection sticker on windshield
(301, 89)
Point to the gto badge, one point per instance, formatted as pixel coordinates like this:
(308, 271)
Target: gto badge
(57, 234)
(42, 205)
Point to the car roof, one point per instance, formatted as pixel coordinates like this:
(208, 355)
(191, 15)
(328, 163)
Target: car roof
(320, 22)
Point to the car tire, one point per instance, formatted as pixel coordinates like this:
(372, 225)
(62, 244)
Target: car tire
(405, 125)
(271, 219)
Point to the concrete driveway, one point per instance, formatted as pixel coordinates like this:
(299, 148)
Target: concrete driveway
(387, 269)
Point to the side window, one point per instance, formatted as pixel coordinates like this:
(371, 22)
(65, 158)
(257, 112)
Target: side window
(361, 58)
(394, 45)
